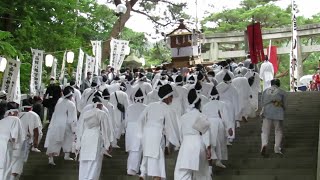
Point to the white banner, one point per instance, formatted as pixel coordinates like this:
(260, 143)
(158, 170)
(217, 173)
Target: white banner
(294, 49)
(36, 71)
(9, 83)
(96, 50)
(79, 68)
(63, 67)
(89, 66)
(54, 68)
(118, 52)
(16, 93)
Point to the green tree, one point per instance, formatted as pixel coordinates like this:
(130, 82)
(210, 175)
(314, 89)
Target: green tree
(158, 54)
(170, 13)
(54, 26)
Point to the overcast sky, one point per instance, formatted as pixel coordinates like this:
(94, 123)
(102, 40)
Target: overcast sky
(307, 8)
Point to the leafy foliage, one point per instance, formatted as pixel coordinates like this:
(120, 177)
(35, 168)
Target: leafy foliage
(55, 26)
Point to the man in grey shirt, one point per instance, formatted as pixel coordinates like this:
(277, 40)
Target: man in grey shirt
(273, 107)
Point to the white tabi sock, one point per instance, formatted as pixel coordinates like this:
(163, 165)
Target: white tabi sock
(51, 161)
(67, 157)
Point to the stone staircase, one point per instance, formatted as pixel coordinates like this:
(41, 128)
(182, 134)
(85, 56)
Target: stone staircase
(300, 147)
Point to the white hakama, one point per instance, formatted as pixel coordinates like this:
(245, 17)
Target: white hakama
(133, 141)
(192, 161)
(93, 140)
(218, 135)
(60, 132)
(155, 122)
(10, 138)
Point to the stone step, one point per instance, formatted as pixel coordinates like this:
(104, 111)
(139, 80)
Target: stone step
(265, 177)
(281, 171)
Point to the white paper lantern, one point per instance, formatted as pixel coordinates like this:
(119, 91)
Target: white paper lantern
(49, 60)
(70, 57)
(127, 50)
(121, 8)
(3, 64)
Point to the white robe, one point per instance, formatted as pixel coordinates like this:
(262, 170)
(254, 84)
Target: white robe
(266, 74)
(192, 162)
(218, 134)
(220, 75)
(155, 127)
(133, 141)
(256, 88)
(110, 122)
(179, 103)
(119, 116)
(144, 86)
(152, 97)
(29, 122)
(60, 131)
(77, 98)
(244, 91)
(229, 95)
(86, 98)
(93, 140)
(10, 128)
(206, 88)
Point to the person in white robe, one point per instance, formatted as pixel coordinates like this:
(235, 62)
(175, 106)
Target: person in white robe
(211, 77)
(132, 139)
(157, 75)
(153, 95)
(191, 81)
(192, 161)
(244, 95)
(88, 95)
(31, 130)
(156, 126)
(204, 99)
(266, 73)
(104, 83)
(205, 83)
(11, 139)
(216, 112)
(111, 109)
(109, 119)
(247, 62)
(240, 71)
(76, 95)
(229, 95)
(116, 98)
(225, 70)
(61, 129)
(141, 84)
(175, 73)
(93, 140)
(254, 82)
(179, 103)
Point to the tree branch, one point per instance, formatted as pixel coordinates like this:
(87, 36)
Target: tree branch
(165, 1)
(151, 18)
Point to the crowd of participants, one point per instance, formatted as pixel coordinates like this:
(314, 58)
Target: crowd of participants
(195, 111)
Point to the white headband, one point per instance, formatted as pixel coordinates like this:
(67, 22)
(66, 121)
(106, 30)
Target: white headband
(192, 105)
(178, 83)
(68, 95)
(168, 95)
(138, 99)
(10, 111)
